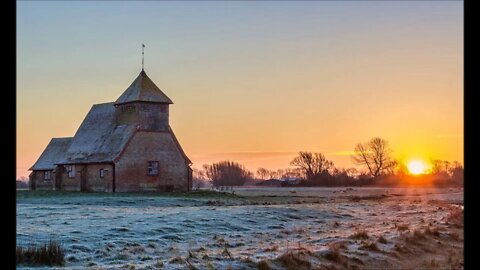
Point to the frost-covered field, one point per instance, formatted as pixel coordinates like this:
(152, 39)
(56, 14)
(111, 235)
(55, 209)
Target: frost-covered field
(257, 228)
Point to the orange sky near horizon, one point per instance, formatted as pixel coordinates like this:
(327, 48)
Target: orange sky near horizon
(246, 91)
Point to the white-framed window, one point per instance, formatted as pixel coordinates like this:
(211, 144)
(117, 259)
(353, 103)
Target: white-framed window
(102, 173)
(71, 171)
(152, 168)
(47, 175)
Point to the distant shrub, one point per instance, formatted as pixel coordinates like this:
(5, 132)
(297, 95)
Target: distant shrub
(47, 254)
(227, 173)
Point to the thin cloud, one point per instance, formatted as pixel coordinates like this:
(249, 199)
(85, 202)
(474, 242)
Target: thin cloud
(341, 153)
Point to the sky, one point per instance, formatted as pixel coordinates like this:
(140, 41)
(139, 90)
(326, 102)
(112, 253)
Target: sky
(253, 82)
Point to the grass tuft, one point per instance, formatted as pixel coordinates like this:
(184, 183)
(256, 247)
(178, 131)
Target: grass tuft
(48, 254)
(334, 254)
(293, 261)
(226, 252)
(455, 217)
(432, 231)
(370, 246)
(418, 234)
(360, 234)
(402, 227)
(382, 240)
(263, 265)
(270, 249)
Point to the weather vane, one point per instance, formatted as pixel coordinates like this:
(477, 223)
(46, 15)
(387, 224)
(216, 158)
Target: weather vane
(143, 47)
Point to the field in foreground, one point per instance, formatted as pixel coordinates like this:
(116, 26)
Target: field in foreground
(257, 228)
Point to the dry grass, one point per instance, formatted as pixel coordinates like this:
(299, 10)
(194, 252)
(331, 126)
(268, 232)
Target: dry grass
(454, 235)
(432, 231)
(263, 265)
(177, 259)
(337, 245)
(270, 249)
(382, 239)
(401, 248)
(226, 252)
(293, 261)
(455, 217)
(48, 254)
(190, 265)
(432, 264)
(401, 227)
(334, 253)
(453, 261)
(370, 246)
(158, 264)
(360, 234)
(418, 234)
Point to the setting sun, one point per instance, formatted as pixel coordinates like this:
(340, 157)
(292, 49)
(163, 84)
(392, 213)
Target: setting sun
(417, 167)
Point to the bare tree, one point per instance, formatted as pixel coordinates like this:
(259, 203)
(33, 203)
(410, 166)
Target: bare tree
(375, 155)
(457, 173)
(22, 182)
(352, 172)
(292, 173)
(199, 178)
(263, 173)
(276, 174)
(312, 164)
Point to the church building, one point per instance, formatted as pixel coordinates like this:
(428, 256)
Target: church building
(122, 146)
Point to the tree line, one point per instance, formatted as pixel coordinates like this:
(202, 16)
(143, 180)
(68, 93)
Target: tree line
(314, 169)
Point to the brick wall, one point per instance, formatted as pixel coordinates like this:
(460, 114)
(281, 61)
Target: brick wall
(132, 167)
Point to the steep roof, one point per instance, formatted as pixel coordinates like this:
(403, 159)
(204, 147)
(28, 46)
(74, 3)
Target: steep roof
(178, 145)
(98, 139)
(143, 89)
(53, 153)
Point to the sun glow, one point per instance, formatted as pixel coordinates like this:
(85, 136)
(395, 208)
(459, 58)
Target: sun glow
(417, 167)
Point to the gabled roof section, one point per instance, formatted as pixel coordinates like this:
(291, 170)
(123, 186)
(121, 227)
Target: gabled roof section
(54, 152)
(189, 162)
(98, 139)
(143, 89)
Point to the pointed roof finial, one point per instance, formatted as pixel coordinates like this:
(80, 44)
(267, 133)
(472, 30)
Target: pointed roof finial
(143, 46)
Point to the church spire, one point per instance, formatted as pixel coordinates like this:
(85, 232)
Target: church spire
(143, 89)
(143, 47)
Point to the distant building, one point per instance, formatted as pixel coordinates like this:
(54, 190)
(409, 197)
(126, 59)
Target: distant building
(291, 180)
(270, 183)
(121, 146)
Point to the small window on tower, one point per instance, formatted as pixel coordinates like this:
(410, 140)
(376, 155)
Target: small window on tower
(153, 168)
(47, 175)
(102, 173)
(128, 108)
